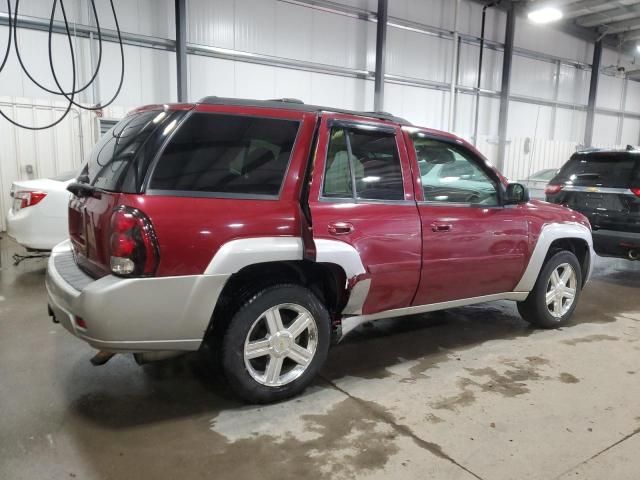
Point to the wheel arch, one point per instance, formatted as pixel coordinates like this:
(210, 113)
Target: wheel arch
(573, 237)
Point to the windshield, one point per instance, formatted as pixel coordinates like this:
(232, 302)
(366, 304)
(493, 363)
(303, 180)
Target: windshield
(544, 175)
(111, 160)
(606, 169)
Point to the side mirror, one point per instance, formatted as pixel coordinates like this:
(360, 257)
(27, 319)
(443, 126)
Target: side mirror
(516, 194)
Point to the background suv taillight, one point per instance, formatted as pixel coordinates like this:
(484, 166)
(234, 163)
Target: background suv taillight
(133, 245)
(552, 189)
(636, 191)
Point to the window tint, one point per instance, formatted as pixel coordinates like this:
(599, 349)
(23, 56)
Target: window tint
(374, 166)
(450, 174)
(227, 154)
(113, 156)
(607, 169)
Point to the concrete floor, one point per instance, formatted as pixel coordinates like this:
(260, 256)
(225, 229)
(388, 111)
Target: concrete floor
(468, 393)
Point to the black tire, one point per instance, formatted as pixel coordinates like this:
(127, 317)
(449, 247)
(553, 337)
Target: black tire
(236, 371)
(534, 309)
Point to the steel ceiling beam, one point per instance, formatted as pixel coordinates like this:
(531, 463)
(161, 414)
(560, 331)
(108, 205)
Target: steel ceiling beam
(587, 7)
(622, 12)
(623, 26)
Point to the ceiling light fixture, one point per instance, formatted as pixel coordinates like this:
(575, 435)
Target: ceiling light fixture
(545, 15)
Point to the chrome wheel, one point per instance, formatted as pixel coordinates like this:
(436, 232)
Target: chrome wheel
(280, 345)
(561, 290)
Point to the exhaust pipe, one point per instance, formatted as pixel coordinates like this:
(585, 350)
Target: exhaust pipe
(634, 254)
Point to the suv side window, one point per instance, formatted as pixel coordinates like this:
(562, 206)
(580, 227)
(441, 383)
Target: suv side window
(227, 155)
(363, 165)
(450, 174)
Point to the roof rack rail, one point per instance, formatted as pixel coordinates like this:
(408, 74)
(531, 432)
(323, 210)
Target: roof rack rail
(287, 100)
(295, 104)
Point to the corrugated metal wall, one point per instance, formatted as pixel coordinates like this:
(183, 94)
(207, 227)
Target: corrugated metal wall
(49, 152)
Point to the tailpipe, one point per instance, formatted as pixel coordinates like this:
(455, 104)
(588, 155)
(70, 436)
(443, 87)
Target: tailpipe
(634, 254)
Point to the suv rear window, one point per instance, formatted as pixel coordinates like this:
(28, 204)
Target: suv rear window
(606, 169)
(112, 161)
(226, 155)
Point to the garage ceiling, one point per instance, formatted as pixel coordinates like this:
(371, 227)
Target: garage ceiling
(619, 20)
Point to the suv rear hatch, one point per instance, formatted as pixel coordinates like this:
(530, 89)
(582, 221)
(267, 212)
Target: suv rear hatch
(604, 186)
(116, 168)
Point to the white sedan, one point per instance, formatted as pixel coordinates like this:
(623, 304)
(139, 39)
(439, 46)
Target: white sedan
(38, 218)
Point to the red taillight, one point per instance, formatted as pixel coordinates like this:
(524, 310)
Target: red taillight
(636, 191)
(29, 198)
(552, 189)
(133, 245)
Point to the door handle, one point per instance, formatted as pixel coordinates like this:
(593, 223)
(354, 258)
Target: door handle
(441, 227)
(340, 228)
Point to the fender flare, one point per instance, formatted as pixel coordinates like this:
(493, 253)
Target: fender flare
(549, 234)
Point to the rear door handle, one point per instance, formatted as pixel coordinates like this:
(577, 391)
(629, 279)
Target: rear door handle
(340, 228)
(441, 227)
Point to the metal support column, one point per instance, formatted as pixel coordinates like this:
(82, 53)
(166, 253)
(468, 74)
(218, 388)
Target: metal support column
(505, 88)
(593, 92)
(181, 50)
(455, 53)
(381, 49)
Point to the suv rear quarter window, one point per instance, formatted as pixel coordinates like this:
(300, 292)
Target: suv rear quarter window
(606, 169)
(227, 156)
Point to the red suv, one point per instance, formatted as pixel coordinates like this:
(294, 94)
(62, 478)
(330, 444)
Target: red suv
(269, 229)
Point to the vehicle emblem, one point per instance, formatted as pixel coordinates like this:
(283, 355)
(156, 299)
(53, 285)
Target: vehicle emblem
(593, 189)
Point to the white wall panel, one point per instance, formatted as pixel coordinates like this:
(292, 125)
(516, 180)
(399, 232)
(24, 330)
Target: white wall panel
(570, 125)
(275, 28)
(533, 78)
(609, 92)
(424, 107)
(487, 121)
(605, 129)
(546, 39)
(574, 85)
(470, 16)
(416, 55)
(227, 78)
(436, 13)
(630, 131)
(49, 152)
(491, 67)
(144, 17)
(632, 103)
(529, 120)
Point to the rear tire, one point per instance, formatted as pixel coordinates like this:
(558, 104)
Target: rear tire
(555, 294)
(275, 344)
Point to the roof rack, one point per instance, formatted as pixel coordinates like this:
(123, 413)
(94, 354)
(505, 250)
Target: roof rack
(299, 105)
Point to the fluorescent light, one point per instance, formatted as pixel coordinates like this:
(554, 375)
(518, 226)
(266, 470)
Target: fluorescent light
(545, 15)
(638, 48)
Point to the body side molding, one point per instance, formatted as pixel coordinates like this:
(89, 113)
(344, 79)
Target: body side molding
(349, 323)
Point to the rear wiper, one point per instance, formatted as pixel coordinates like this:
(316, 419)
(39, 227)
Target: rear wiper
(588, 175)
(82, 189)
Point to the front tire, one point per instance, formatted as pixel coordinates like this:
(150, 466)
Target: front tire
(275, 344)
(555, 294)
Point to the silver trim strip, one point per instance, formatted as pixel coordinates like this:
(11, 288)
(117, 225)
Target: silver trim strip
(619, 191)
(349, 323)
(549, 234)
